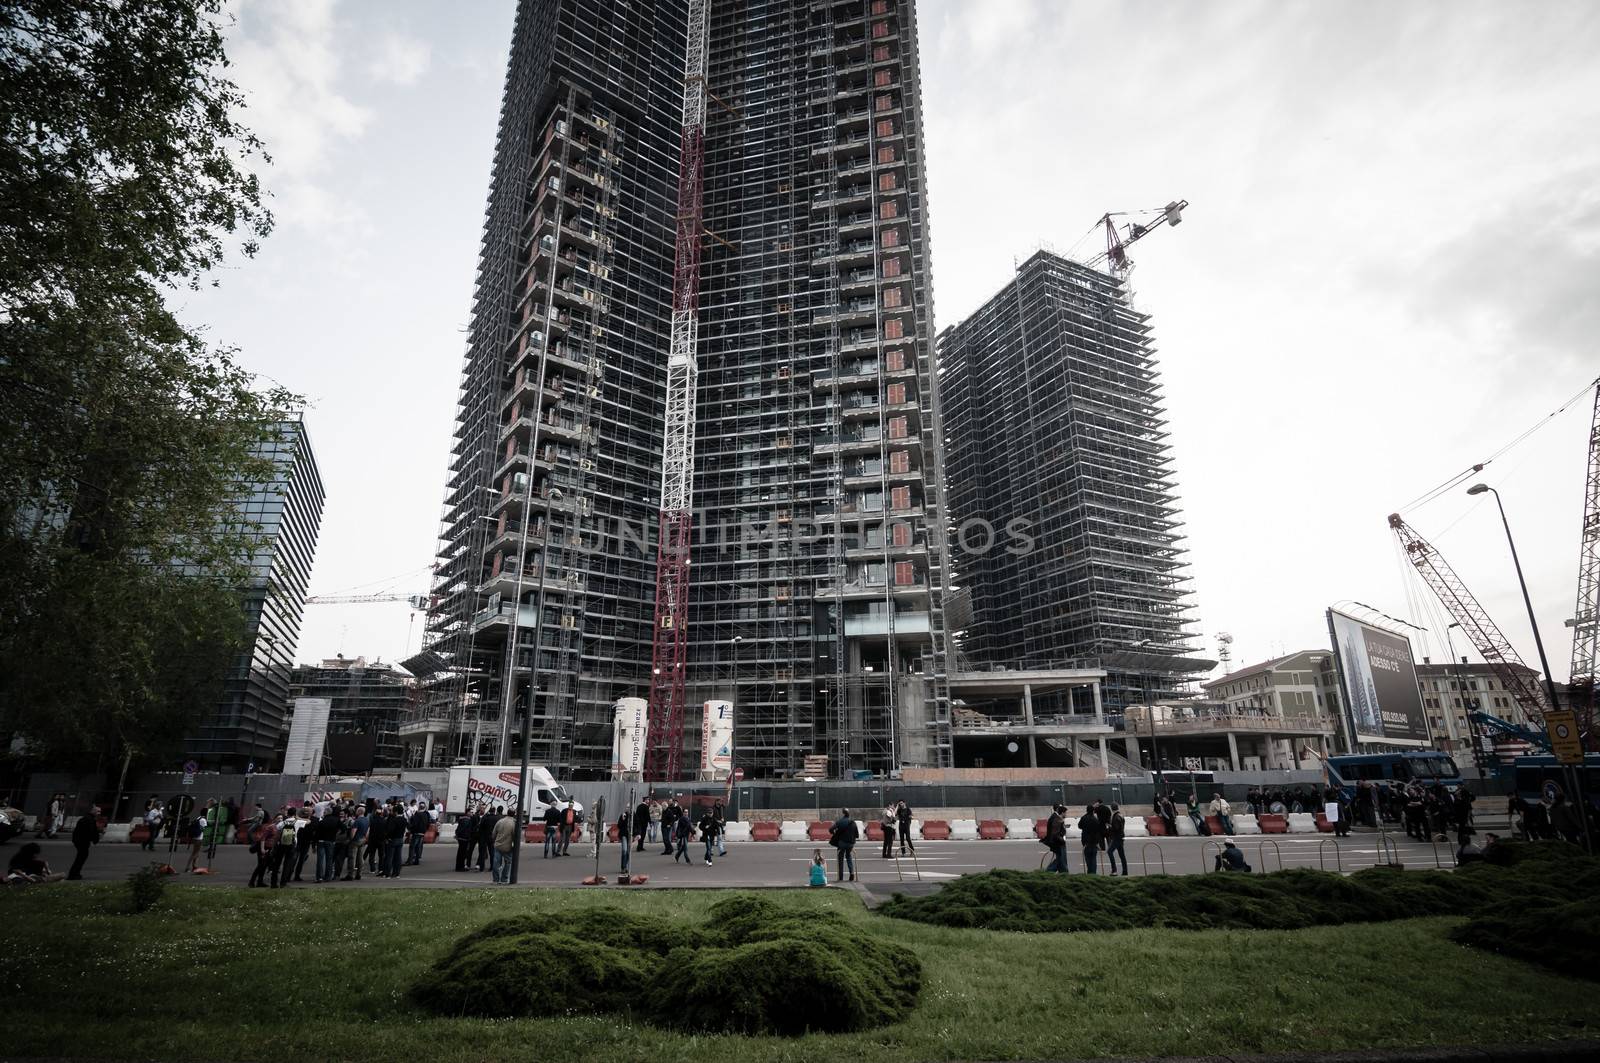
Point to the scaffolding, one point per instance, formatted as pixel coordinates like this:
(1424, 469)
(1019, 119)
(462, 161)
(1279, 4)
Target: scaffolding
(1067, 534)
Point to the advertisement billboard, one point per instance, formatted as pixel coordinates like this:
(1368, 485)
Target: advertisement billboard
(716, 740)
(1380, 683)
(632, 727)
(307, 733)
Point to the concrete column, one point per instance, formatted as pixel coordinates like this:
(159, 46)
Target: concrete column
(1105, 761)
(427, 750)
(1099, 710)
(1131, 749)
(1027, 718)
(1233, 751)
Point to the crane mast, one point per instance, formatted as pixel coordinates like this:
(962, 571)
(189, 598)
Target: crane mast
(669, 654)
(1586, 615)
(1466, 610)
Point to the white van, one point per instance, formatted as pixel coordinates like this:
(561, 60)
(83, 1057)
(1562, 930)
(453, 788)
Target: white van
(496, 784)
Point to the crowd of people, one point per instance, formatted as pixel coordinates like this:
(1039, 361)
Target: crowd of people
(339, 839)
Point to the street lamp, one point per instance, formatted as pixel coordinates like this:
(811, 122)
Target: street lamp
(552, 496)
(1150, 711)
(1544, 663)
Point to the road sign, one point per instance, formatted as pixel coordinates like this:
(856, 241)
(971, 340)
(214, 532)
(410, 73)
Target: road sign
(1562, 727)
(738, 773)
(189, 768)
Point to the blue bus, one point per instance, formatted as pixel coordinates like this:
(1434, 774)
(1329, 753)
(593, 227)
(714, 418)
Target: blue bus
(1425, 766)
(1535, 774)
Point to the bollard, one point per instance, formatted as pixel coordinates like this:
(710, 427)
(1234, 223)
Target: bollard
(1338, 861)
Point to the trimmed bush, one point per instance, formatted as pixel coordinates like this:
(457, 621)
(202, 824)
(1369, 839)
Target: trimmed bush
(145, 887)
(1034, 901)
(1562, 937)
(754, 968)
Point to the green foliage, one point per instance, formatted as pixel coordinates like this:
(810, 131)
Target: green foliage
(1034, 902)
(125, 435)
(752, 968)
(1564, 937)
(145, 887)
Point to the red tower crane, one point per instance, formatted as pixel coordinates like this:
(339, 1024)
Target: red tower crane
(669, 653)
(1141, 223)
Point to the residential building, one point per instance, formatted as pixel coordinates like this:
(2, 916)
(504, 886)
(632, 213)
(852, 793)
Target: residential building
(1066, 535)
(1452, 692)
(817, 560)
(248, 724)
(368, 701)
(1280, 713)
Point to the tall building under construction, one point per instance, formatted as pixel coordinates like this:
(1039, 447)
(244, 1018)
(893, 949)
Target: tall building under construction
(1055, 427)
(815, 600)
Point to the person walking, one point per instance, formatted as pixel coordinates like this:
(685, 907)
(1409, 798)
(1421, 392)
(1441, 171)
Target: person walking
(304, 835)
(888, 823)
(710, 830)
(669, 826)
(842, 836)
(197, 833)
(625, 837)
(84, 834)
(1220, 808)
(720, 814)
(552, 831)
(419, 823)
(1094, 837)
(680, 836)
(153, 813)
(1115, 831)
(641, 824)
(505, 833)
(263, 839)
(655, 821)
(569, 826)
(466, 837)
(1055, 839)
(56, 816)
(902, 814)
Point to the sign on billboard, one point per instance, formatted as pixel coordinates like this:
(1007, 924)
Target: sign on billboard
(1380, 682)
(631, 728)
(716, 740)
(308, 731)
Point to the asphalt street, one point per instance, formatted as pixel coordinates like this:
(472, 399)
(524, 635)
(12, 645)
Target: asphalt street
(757, 864)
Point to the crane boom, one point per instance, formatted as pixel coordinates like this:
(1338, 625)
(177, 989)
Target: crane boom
(417, 601)
(1468, 612)
(670, 641)
(1115, 256)
(1586, 614)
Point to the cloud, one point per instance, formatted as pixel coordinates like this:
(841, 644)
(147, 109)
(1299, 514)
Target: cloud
(401, 60)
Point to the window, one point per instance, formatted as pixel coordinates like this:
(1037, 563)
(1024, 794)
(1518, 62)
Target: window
(897, 394)
(892, 296)
(891, 267)
(886, 127)
(900, 497)
(880, 29)
(898, 427)
(884, 102)
(894, 329)
(880, 7)
(883, 78)
(891, 238)
(880, 53)
(888, 209)
(886, 155)
(905, 574)
(888, 182)
(900, 460)
(894, 360)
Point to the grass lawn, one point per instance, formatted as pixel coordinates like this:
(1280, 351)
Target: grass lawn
(313, 974)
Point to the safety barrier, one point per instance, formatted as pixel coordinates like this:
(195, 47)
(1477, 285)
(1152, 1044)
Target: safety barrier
(736, 831)
(936, 830)
(1302, 823)
(1155, 826)
(965, 830)
(1246, 823)
(991, 829)
(1021, 828)
(1144, 856)
(1323, 825)
(1133, 827)
(1338, 859)
(795, 830)
(1261, 855)
(874, 832)
(1186, 827)
(1214, 823)
(765, 831)
(818, 831)
(1272, 824)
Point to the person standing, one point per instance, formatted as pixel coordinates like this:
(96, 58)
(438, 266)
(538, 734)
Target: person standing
(305, 834)
(669, 827)
(263, 841)
(655, 821)
(625, 837)
(341, 843)
(395, 841)
(902, 812)
(198, 827)
(1168, 813)
(1220, 808)
(680, 836)
(1115, 831)
(152, 821)
(505, 833)
(420, 822)
(842, 836)
(327, 832)
(57, 816)
(641, 824)
(466, 837)
(552, 831)
(710, 829)
(1055, 839)
(720, 815)
(84, 834)
(1093, 838)
(283, 853)
(888, 823)
(486, 822)
(359, 828)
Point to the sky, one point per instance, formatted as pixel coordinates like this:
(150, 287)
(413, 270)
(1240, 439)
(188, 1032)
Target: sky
(1389, 270)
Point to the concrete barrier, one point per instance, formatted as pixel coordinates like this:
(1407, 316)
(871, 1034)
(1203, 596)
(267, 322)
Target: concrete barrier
(1155, 827)
(1302, 823)
(1186, 827)
(936, 830)
(1134, 827)
(1245, 823)
(991, 829)
(116, 832)
(736, 831)
(819, 831)
(874, 832)
(1323, 826)
(1020, 828)
(765, 831)
(1271, 824)
(795, 830)
(964, 830)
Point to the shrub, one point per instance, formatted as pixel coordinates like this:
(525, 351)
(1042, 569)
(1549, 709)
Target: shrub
(1564, 937)
(145, 887)
(754, 967)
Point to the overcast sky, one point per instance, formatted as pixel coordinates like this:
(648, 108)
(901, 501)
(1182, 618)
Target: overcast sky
(1390, 268)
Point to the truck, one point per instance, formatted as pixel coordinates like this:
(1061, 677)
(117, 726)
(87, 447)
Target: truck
(496, 784)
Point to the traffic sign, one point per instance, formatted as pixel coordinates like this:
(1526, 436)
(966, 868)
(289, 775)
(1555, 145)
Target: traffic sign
(738, 773)
(1562, 726)
(189, 768)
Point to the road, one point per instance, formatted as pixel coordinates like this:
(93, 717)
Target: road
(754, 864)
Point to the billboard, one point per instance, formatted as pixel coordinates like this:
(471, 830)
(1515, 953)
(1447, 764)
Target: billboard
(308, 731)
(716, 740)
(631, 728)
(1380, 682)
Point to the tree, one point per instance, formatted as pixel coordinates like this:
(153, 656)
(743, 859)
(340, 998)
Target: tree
(124, 436)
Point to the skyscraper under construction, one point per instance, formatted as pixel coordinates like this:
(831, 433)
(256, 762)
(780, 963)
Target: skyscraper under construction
(1054, 417)
(814, 600)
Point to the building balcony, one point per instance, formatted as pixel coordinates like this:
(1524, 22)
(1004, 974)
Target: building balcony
(877, 626)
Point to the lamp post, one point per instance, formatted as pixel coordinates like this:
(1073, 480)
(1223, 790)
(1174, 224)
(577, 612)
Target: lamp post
(1575, 778)
(551, 496)
(737, 706)
(1150, 711)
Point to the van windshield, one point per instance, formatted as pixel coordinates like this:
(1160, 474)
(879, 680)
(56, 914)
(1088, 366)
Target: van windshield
(561, 795)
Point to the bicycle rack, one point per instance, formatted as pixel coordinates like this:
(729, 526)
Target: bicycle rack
(1338, 861)
(1206, 859)
(1387, 850)
(1436, 861)
(916, 867)
(1144, 856)
(1261, 854)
